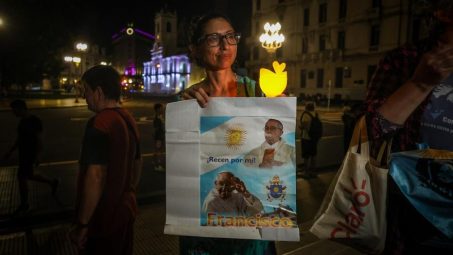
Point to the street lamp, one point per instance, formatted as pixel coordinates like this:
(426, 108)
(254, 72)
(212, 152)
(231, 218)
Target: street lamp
(271, 40)
(1, 22)
(76, 60)
(81, 46)
(67, 59)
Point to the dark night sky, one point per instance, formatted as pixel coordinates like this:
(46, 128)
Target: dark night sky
(93, 21)
(36, 30)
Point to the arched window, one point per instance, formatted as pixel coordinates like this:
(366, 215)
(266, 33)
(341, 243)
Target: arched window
(168, 27)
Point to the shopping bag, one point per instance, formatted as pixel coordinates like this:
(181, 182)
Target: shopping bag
(354, 208)
(425, 177)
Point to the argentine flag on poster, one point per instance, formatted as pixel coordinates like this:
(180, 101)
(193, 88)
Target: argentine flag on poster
(247, 168)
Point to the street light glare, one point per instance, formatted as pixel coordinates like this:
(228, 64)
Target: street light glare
(82, 46)
(1, 22)
(271, 40)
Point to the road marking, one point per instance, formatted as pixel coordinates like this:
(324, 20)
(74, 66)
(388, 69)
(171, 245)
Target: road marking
(150, 154)
(78, 119)
(144, 120)
(70, 162)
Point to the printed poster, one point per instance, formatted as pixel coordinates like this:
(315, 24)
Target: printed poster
(243, 181)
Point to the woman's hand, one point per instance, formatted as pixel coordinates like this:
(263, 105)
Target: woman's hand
(434, 67)
(196, 92)
(78, 236)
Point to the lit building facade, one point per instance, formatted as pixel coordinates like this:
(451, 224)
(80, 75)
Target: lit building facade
(170, 70)
(77, 60)
(332, 47)
(131, 47)
(166, 75)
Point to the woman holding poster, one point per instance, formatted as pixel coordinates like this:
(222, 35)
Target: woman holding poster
(213, 45)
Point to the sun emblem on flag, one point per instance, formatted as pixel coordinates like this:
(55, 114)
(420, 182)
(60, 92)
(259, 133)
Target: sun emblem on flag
(235, 137)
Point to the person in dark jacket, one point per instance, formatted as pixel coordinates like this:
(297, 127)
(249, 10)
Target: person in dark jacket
(29, 146)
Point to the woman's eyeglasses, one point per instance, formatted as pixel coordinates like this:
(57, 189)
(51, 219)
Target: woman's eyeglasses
(214, 39)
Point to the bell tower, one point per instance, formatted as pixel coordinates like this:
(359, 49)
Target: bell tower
(166, 31)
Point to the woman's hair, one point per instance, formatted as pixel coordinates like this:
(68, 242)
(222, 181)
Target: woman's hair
(197, 31)
(199, 24)
(426, 9)
(105, 77)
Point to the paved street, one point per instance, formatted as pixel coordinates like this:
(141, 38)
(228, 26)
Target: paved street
(43, 230)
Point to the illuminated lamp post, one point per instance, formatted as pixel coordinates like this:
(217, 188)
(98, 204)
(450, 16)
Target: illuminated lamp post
(82, 48)
(1, 66)
(273, 83)
(271, 40)
(72, 60)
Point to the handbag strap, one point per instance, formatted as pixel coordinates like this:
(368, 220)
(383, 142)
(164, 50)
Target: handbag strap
(359, 137)
(132, 130)
(385, 149)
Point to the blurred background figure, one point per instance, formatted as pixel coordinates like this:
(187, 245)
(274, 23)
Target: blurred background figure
(78, 90)
(311, 128)
(159, 137)
(350, 116)
(29, 146)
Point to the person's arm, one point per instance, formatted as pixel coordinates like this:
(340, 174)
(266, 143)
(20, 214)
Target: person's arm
(136, 173)
(252, 204)
(39, 148)
(388, 77)
(94, 183)
(305, 122)
(396, 108)
(93, 186)
(39, 141)
(10, 151)
(433, 68)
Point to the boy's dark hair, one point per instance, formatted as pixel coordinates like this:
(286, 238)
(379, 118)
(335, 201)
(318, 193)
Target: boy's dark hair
(105, 77)
(18, 104)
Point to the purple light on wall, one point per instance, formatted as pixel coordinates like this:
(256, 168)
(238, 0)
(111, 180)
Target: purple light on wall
(116, 35)
(150, 36)
(130, 70)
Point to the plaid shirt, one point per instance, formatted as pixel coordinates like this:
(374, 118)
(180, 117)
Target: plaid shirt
(393, 71)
